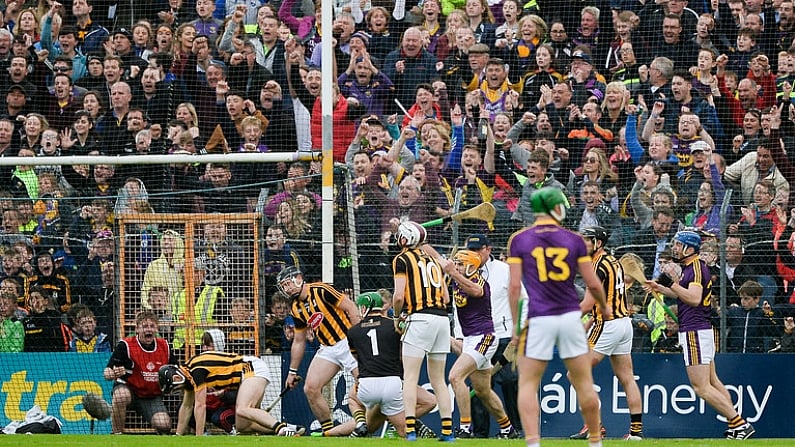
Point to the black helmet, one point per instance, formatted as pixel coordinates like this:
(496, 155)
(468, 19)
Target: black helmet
(598, 233)
(170, 377)
(290, 272)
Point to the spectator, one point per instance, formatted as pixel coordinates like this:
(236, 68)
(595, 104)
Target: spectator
(12, 330)
(788, 336)
(43, 329)
(241, 334)
(668, 343)
(57, 285)
(409, 65)
(87, 337)
(649, 242)
(90, 34)
(751, 326)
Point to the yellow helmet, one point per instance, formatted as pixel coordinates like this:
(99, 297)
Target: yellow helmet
(470, 260)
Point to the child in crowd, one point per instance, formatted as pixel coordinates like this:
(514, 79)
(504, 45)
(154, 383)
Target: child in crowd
(87, 337)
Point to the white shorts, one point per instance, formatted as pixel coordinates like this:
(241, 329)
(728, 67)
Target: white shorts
(384, 391)
(260, 367)
(698, 347)
(339, 354)
(615, 337)
(428, 332)
(481, 348)
(544, 333)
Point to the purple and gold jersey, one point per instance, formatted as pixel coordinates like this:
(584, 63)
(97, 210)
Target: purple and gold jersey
(474, 314)
(549, 255)
(694, 318)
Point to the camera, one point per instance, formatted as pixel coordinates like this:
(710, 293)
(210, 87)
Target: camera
(475, 110)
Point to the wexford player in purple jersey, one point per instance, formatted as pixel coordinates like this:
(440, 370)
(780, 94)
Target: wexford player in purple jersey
(689, 280)
(472, 299)
(546, 257)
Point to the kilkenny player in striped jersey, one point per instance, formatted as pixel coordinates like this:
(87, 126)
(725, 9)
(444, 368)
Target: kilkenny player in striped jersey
(223, 371)
(420, 286)
(612, 337)
(328, 313)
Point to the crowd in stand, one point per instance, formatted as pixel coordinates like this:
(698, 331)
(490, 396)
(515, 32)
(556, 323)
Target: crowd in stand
(439, 105)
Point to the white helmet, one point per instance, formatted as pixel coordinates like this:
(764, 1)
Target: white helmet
(410, 234)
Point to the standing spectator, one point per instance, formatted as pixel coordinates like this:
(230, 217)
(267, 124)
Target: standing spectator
(409, 65)
(90, 34)
(167, 270)
(751, 326)
(205, 23)
(47, 277)
(133, 367)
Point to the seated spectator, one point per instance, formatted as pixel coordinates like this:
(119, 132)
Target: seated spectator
(87, 338)
(161, 305)
(43, 329)
(240, 338)
(668, 342)
(274, 323)
(56, 283)
(12, 332)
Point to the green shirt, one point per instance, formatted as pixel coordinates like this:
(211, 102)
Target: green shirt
(12, 336)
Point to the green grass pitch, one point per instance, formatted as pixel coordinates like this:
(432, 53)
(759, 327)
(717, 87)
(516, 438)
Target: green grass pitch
(263, 441)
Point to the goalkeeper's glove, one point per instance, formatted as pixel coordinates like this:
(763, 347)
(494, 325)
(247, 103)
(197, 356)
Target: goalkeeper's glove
(665, 280)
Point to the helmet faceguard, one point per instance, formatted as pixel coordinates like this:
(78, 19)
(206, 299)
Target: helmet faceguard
(290, 275)
(171, 378)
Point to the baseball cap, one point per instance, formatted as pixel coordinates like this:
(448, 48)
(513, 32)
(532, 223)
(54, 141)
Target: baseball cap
(581, 54)
(478, 241)
(18, 87)
(381, 153)
(699, 146)
(479, 48)
(125, 32)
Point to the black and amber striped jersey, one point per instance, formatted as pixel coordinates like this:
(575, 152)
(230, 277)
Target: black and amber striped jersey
(321, 313)
(219, 370)
(610, 273)
(424, 281)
